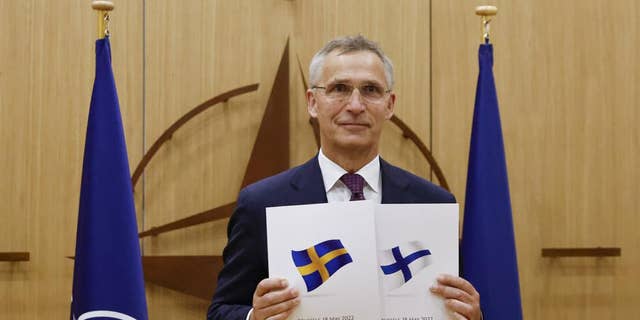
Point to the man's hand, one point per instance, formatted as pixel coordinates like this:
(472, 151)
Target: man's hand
(460, 296)
(273, 300)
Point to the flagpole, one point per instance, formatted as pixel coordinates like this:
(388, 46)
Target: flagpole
(103, 7)
(488, 218)
(486, 12)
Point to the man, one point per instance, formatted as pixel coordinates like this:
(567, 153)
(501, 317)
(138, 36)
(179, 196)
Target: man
(351, 97)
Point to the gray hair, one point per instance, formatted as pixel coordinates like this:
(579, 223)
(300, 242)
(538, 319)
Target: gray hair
(344, 45)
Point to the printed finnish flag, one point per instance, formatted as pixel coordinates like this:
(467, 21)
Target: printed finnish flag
(402, 263)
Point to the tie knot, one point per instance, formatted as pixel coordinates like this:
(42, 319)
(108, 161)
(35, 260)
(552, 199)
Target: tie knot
(355, 183)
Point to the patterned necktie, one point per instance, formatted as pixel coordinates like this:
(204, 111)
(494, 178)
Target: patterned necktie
(355, 183)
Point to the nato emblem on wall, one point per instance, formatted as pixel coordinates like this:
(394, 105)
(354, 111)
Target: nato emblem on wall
(270, 155)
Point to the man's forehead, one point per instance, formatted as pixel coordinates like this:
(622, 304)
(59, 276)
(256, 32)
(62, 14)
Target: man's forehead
(355, 65)
(355, 81)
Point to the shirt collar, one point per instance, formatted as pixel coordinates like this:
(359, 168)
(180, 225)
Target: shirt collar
(331, 172)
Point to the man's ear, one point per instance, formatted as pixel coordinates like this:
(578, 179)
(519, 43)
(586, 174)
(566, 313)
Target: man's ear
(312, 104)
(391, 105)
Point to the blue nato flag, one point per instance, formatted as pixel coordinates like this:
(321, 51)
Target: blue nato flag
(107, 276)
(488, 245)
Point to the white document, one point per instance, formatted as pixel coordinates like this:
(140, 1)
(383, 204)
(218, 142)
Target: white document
(348, 288)
(360, 260)
(416, 243)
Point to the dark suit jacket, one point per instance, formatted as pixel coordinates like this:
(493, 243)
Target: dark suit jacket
(245, 256)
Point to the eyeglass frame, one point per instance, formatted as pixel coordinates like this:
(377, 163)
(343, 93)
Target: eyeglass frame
(345, 98)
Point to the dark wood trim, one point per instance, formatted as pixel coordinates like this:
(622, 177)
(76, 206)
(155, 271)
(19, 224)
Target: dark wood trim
(581, 252)
(270, 153)
(14, 256)
(196, 219)
(408, 133)
(193, 275)
(167, 134)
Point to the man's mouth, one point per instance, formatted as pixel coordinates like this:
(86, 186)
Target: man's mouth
(354, 124)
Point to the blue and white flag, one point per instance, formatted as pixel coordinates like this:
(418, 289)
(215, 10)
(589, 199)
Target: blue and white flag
(403, 262)
(107, 276)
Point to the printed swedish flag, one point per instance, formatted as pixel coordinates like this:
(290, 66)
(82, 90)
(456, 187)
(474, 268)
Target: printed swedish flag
(316, 264)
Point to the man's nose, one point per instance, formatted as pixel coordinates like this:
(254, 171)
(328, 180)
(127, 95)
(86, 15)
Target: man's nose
(355, 101)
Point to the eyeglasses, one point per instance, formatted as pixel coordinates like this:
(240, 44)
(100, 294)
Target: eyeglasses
(341, 92)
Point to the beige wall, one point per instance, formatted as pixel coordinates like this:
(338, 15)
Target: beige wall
(46, 75)
(567, 75)
(567, 78)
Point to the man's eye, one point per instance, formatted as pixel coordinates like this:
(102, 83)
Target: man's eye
(340, 87)
(371, 89)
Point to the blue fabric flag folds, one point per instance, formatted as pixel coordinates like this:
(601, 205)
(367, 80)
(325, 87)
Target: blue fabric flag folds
(107, 277)
(488, 244)
(316, 264)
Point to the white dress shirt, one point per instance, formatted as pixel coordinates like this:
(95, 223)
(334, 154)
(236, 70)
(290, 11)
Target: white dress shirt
(338, 191)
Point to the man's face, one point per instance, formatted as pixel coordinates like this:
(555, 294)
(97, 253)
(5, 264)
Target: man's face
(353, 122)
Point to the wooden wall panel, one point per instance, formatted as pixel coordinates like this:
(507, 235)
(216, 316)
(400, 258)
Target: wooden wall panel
(192, 52)
(46, 75)
(402, 30)
(567, 80)
(196, 50)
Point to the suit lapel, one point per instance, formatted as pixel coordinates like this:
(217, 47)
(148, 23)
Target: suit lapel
(394, 184)
(308, 186)
(307, 183)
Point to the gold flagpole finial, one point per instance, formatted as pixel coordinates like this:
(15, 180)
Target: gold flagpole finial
(486, 12)
(103, 7)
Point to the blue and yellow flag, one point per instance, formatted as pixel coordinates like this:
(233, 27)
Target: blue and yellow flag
(488, 246)
(107, 277)
(316, 264)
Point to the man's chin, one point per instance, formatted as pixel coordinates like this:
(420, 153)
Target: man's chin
(350, 144)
